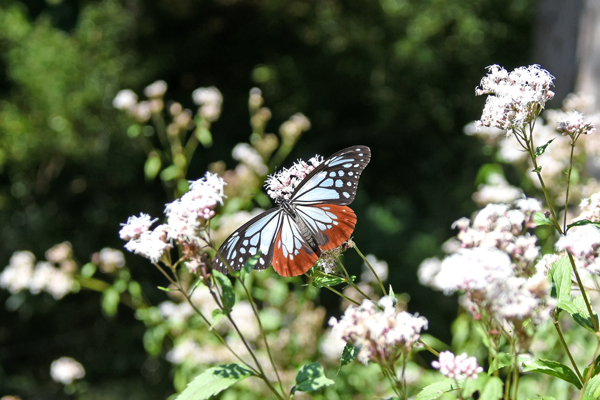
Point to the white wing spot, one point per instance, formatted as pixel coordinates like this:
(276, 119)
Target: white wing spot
(327, 183)
(339, 183)
(252, 250)
(262, 262)
(346, 194)
(349, 183)
(335, 222)
(243, 250)
(348, 165)
(332, 174)
(360, 154)
(355, 165)
(245, 242)
(341, 173)
(241, 259)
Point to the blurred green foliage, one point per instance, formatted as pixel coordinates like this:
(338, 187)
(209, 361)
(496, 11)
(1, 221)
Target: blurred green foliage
(396, 75)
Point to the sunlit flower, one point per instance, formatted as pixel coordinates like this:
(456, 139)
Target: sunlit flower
(573, 125)
(582, 242)
(590, 208)
(516, 97)
(59, 252)
(457, 367)
(248, 155)
(151, 244)
(378, 330)
(283, 183)
(125, 100)
(156, 89)
(210, 101)
(50, 279)
(110, 259)
(65, 370)
(496, 190)
(136, 226)
(19, 272)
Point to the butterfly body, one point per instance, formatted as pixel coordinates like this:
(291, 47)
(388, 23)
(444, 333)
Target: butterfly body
(315, 218)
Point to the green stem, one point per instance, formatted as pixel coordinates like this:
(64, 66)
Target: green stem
(429, 348)
(349, 281)
(568, 185)
(565, 345)
(372, 270)
(588, 376)
(583, 293)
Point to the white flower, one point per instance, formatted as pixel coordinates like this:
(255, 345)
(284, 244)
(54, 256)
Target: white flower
(427, 271)
(156, 89)
(331, 346)
(110, 259)
(572, 124)
(59, 252)
(378, 331)
(590, 208)
(496, 191)
(135, 226)
(210, 101)
(188, 214)
(380, 267)
(151, 244)
(50, 279)
(283, 183)
(472, 269)
(125, 100)
(457, 367)
(248, 155)
(515, 97)
(293, 127)
(65, 370)
(529, 205)
(19, 272)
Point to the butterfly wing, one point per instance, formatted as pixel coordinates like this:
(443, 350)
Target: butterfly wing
(257, 234)
(330, 224)
(292, 256)
(335, 180)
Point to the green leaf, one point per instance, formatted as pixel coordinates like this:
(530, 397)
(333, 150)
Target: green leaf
(217, 315)
(568, 306)
(593, 387)
(327, 280)
(506, 359)
(437, 389)
(152, 166)
(204, 136)
(213, 381)
(538, 169)
(249, 266)
(540, 219)
(170, 173)
(552, 368)
(596, 366)
(391, 292)
(228, 293)
(582, 317)
(492, 389)
(311, 378)
(349, 354)
(540, 150)
(88, 270)
(582, 222)
(561, 276)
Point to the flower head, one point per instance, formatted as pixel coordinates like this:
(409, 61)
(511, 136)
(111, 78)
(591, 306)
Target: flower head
(457, 367)
(378, 330)
(572, 125)
(210, 101)
(65, 370)
(516, 97)
(283, 183)
(136, 226)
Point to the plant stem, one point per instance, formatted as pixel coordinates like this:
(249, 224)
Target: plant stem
(372, 270)
(564, 343)
(583, 294)
(568, 185)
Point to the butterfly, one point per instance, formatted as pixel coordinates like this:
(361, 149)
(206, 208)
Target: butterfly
(315, 218)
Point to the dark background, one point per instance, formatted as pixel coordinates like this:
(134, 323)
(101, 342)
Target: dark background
(396, 75)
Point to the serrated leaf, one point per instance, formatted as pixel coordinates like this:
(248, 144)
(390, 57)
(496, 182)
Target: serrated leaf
(437, 389)
(228, 294)
(213, 381)
(552, 368)
(492, 389)
(568, 306)
(561, 276)
(593, 387)
(540, 219)
(583, 222)
(249, 266)
(311, 378)
(540, 150)
(349, 354)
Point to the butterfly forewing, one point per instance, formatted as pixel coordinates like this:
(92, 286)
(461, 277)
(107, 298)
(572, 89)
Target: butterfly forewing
(257, 234)
(335, 180)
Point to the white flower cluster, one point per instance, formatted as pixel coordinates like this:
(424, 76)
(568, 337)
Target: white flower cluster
(291, 129)
(65, 370)
(590, 208)
(496, 190)
(283, 183)
(186, 219)
(457, 367)
(127, 100)
(516, 97)
(499, 226)
(248, 155)
(495, 266)
(583, 243)
(572, 125)
(378, 330)
(22, 273)
(210, 101)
